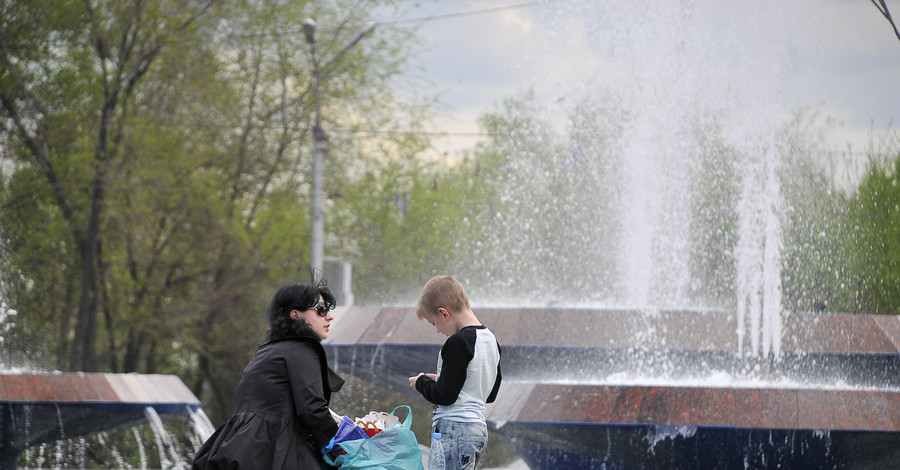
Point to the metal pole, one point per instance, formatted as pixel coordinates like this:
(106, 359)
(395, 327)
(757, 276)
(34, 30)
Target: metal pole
(317, 241)
(317, 232)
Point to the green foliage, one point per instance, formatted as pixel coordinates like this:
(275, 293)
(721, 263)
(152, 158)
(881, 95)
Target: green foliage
(714, 219)
(544, 216)
(874, 234)
(68, 95)
(398, 223)
(813, 260)
(155, 175)
(520, 221)
(34, 272)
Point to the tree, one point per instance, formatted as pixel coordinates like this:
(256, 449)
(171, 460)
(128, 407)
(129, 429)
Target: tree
(516, 226)
(874, 236)
(714, 197)
(815, 212)
(67, 91)
(403, 218)
(176, 208)
(547, 222)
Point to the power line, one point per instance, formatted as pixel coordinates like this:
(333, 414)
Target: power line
(401, 132)
(423, 19)
(443, 16)
(349, 131)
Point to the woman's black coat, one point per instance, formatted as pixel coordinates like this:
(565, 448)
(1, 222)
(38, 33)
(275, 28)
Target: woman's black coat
(281, 418)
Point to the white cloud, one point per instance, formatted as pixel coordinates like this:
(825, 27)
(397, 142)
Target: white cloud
(838, 55)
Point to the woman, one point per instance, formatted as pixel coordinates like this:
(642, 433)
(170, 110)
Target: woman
(281, 417)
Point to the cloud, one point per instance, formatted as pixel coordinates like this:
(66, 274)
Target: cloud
(760, 57)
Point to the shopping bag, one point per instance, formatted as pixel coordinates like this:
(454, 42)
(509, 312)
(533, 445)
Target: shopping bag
(394, 448)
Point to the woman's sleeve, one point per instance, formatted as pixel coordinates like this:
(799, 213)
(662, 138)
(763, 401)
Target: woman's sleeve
(305, 374)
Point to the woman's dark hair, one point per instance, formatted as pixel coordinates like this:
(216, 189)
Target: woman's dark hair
(296, 296)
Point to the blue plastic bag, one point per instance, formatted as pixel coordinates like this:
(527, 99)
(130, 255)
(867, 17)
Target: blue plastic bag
(347, 431)
(394, 448)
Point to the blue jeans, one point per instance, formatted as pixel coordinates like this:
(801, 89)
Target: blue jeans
(463, 444)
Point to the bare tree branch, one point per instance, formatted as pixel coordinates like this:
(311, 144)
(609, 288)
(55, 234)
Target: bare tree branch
(882, 7)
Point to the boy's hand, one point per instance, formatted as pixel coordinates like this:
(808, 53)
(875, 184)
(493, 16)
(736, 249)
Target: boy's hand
(412, 380)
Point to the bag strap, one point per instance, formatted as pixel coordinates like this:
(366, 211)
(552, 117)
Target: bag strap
(408, 421)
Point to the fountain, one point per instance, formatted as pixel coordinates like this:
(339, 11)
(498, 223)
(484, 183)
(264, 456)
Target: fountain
(649, 243)
(47, 407)
(646, 365)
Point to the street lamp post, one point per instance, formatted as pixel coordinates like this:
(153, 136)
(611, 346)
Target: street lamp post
(317, 233)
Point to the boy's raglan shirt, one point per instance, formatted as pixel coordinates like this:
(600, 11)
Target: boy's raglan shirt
(468, 375)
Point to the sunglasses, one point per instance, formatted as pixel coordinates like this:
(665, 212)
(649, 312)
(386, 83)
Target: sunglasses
(321, 308)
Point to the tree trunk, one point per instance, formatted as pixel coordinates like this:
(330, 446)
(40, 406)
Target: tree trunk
(84, 343)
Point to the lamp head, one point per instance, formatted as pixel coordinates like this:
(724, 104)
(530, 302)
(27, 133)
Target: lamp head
(309, 30)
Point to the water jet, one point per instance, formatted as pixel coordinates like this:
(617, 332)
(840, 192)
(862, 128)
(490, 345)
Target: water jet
(36, 408)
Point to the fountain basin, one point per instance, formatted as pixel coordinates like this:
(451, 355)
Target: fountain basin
(622, 426)
(588, 388)
(46, 407)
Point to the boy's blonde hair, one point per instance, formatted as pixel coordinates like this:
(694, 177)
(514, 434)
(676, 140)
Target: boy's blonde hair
(442, 291)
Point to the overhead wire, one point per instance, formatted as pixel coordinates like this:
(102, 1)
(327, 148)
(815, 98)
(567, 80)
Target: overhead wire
(422, 19)
(442, 16)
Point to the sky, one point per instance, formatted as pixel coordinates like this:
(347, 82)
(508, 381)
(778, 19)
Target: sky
(836, 59)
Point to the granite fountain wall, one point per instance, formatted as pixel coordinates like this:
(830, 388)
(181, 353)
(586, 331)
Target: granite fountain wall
(589, 388)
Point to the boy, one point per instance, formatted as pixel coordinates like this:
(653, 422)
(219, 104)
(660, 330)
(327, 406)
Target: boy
(468, 374)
